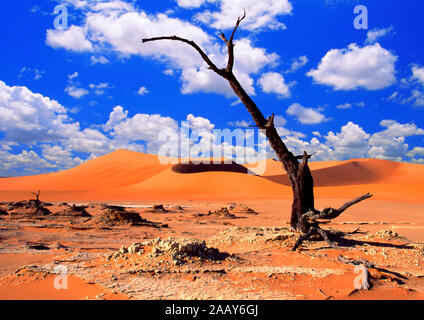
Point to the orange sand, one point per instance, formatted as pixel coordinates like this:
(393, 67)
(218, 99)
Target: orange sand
(131, 176)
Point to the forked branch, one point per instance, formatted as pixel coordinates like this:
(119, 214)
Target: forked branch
(311, 218)
(204, 56)
(230, 44)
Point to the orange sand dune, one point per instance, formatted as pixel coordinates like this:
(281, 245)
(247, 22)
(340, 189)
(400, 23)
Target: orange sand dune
(131, 176)
(117, 169)
(361, 171)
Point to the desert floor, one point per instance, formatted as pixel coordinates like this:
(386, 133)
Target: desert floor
(246, 254)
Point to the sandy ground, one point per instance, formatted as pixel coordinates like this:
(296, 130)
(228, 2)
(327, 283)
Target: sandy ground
(255, 261)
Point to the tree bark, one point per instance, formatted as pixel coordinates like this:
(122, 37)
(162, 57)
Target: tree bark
(299, 174)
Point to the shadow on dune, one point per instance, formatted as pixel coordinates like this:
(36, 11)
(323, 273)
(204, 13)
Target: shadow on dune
(350, 173)
(187, 168)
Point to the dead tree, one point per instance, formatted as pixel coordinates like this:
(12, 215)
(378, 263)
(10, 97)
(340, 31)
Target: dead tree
(37, 202)
(304, 216)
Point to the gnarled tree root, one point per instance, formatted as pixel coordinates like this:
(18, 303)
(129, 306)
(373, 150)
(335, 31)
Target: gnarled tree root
(310, 221)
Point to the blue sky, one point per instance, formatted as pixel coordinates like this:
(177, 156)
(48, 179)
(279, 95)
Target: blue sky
(75, 93)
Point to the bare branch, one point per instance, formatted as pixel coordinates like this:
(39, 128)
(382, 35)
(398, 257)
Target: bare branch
(309, 156)
(230, 44)
(331, 213)
(204, 56)
(239, 20)
(353, 202)
(222, 36)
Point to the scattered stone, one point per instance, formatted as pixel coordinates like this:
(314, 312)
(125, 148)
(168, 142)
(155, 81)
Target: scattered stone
(118, 215)
(158, 208)
(136, 248)
(114, 208)
(386, 235)
(242, 209)
(221, 213)
(29, 212)
(250, 236)
(180, 249)
(28, 208)
(123, 250)
(3, 212)
(73, 211)
(177, 208)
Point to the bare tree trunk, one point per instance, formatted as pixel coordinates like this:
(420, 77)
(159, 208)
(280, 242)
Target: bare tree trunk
(298, 172)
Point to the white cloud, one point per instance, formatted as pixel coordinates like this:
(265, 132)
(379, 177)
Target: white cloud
(305, 115)
(375, 34)
(416, 151)
(37, 74)
(418, 73)
(351, 136)
(169, 72)
(415, 83)
(260, 14)
(76, 92)
(116, 116)
(393, 96)
(29, 120)
(60, 157)
(280, 121)
(190, 4)
(26, 117)
(99, 88)
(100, 59)
(239, 123)
(119, 28)
(24, 163)
(199, 123)
(73, 88)
(298, 63)
(73, 39)
(344, 106)
(273, 82)
(371, 67)
(143, 91)
(390, 143)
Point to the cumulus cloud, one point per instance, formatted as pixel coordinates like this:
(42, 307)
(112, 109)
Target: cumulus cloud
(118, 26)
(273, 82)
(26, 117)
(261, 14)
(76, 92)
(418, 73)
(73, 39)
(305, 115)
(375, 34)
(189, 4)
(352, 141)
(371, 67)
(390, 143)
(31, 122)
